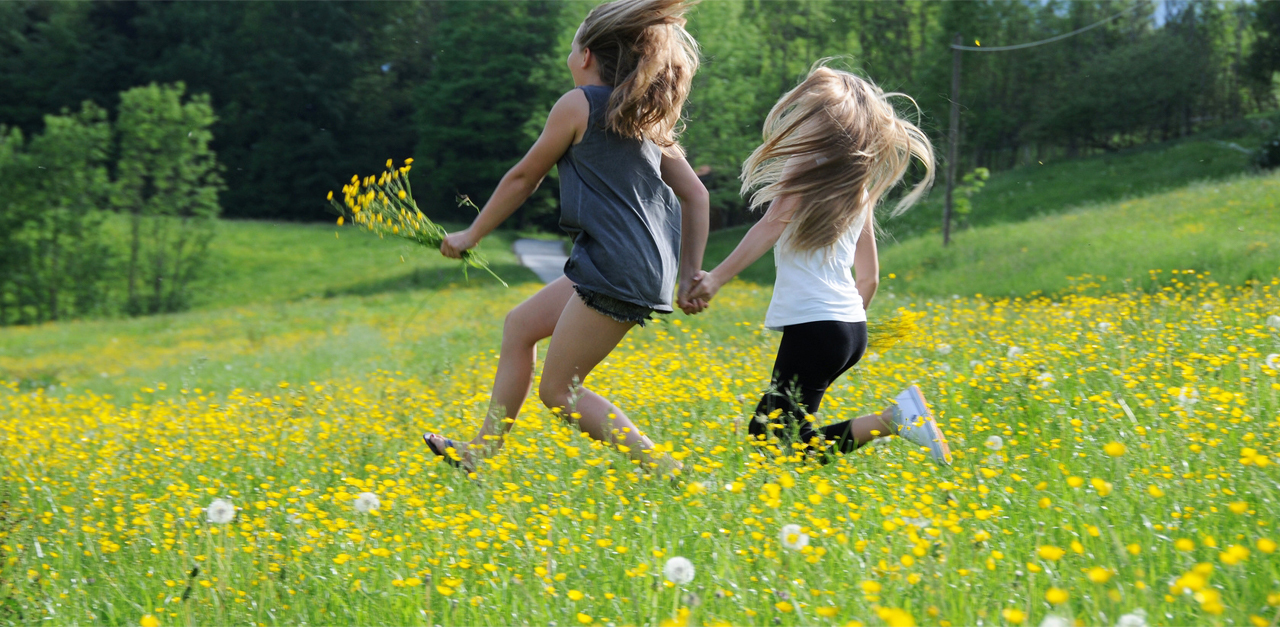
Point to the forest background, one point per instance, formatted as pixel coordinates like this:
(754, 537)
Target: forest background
(284, 101)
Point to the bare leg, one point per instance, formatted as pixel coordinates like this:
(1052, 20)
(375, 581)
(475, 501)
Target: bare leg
(582, 339)
(529, 322)
(870, 427)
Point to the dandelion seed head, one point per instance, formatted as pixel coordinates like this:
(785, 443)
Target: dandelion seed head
(1136, 618)
(220, 512)
(678, 570)
(367, 502)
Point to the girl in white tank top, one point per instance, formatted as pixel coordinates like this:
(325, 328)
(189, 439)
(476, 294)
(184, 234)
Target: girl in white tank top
(832, 147)
(813, 285)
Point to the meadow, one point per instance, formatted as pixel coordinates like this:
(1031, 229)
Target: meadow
(257, 460)
(1114, 453)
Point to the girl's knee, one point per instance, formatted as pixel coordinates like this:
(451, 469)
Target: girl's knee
(516, 327)
(553, 395)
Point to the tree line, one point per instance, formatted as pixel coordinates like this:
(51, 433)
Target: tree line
(308, 93)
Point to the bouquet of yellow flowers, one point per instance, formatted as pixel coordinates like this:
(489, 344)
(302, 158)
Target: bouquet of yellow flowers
(384, 205)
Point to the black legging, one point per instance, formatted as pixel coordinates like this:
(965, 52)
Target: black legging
(812, 355)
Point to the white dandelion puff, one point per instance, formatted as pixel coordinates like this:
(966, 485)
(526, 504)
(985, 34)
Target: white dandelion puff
(792, 538)
(944, 349)
(1188, 397)
(994, 443)
(294, 519)
(1046, 379)
(678, 571)
(1273, 321)
(1104, 327)
(1273, 361)
(918, 523)
(1014, 352)
(944, 367)
(974, 363)
(872, 358)
(1136, 618)
(1207, 306)
(220, 511)
(1051, 620)
(367, 502)
(1068, 314)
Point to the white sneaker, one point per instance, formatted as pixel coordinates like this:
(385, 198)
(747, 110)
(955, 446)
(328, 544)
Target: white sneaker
(916, 425)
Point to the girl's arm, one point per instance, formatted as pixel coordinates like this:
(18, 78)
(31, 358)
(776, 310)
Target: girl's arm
(565, 125)
(757, 242)
(695, 210)
(866, 264)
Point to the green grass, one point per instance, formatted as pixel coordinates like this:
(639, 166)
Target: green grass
(254, 262)
(1226, 228)
(253, 346)
(1055, 186)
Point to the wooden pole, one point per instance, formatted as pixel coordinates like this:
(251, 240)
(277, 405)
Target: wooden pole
(953, 141)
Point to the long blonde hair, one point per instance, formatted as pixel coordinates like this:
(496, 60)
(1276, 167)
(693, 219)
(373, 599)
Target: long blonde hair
(832, 140)
(646, 54)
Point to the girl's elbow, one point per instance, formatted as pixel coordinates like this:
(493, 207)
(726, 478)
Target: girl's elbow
(524, 179)
(695, 195)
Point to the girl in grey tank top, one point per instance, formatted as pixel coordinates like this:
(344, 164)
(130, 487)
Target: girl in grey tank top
(624, 220)
(637, 214)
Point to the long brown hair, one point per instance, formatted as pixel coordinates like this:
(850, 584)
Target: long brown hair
(646, 54)
(837, 143)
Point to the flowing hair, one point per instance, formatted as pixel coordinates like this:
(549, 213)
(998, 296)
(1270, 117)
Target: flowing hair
(837, 143)
(647, 56)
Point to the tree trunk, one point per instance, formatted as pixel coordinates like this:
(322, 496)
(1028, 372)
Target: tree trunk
(953, 143)
(134, 244)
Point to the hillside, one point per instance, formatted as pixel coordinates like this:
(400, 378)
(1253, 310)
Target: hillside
(1228, 228)
(255, 262)
(1054, 186)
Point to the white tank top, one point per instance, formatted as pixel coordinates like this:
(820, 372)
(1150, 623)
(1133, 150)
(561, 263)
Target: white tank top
(815, 285)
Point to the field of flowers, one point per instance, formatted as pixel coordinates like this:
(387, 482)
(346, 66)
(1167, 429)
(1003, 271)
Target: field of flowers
(1115, 464)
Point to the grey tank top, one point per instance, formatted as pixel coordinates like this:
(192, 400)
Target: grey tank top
(624, 220)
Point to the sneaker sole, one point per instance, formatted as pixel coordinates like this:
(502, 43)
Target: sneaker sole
(941, 451)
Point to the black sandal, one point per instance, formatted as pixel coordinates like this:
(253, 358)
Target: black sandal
(426, 437)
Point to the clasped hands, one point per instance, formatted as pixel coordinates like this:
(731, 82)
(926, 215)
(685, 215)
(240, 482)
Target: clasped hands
(697, 291)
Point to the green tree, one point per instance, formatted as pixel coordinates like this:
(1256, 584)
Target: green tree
(1264, 59)
(167, 183)
(473, 110)
(55, 256)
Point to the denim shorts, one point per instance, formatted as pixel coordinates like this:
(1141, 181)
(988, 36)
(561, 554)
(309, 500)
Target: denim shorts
(619, 310)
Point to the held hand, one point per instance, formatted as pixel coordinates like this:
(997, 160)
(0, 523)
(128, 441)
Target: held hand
(687, 305)
(705, 286)
(455, 243)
